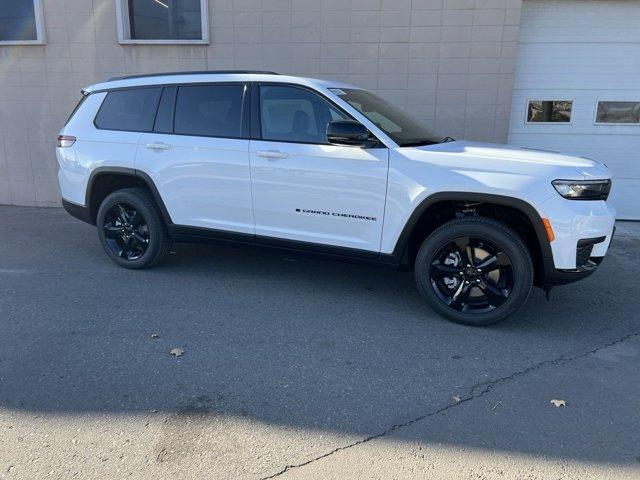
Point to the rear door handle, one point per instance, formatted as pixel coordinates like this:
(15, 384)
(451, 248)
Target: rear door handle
(272, 154)
(158, 146)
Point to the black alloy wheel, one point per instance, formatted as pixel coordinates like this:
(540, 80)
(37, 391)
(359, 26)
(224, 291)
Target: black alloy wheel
(471, 275)
(126, 231)
(474, 270)
(131, 229)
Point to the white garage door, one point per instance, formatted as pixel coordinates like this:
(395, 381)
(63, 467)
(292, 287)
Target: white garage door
(577, 86)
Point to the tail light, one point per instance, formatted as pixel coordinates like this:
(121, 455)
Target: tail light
(65, 141)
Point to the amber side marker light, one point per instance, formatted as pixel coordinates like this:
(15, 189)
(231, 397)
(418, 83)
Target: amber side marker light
(547, 226)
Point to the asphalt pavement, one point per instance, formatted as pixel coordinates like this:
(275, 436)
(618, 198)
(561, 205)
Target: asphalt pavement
(301, 368)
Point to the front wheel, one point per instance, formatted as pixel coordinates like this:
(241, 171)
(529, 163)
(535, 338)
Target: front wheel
(475, 271)
(131, 230)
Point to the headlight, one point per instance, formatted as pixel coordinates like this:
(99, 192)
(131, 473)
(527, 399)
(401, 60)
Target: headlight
(583, 189)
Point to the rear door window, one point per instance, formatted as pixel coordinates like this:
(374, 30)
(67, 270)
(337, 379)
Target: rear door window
(209, 111)
(132, 110)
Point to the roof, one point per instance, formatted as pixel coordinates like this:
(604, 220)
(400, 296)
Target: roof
(202, 72)
(210, 76)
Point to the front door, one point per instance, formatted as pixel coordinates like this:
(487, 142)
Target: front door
(305, 189)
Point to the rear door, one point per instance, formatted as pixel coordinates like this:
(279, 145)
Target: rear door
(198, 156)
(305, 189)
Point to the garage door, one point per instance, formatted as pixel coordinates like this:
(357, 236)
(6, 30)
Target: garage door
(577, 86)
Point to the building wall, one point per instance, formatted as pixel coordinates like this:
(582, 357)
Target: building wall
(448, 62)
(594, 57)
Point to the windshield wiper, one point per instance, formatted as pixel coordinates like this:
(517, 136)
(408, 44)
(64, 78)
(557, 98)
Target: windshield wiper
(419, 143)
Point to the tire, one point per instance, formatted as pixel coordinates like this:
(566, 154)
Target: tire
(131, 230)
(493, 285)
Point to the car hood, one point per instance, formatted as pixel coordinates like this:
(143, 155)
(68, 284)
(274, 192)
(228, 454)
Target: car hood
(507, 158)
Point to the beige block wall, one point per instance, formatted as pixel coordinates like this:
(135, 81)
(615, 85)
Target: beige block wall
(448, 62)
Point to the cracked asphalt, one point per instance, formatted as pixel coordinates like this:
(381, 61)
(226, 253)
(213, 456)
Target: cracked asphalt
(301, 368)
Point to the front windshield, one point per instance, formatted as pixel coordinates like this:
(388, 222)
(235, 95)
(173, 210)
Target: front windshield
(400, 127)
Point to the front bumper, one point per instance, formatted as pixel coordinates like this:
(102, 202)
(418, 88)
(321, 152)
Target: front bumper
(583, 232)
(554, 277)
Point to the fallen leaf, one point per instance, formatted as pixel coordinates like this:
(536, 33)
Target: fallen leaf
(558, 403)
(456, 398)
(176, 352)
(155, 335)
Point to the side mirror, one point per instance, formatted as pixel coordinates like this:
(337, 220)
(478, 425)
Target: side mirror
(349, 132)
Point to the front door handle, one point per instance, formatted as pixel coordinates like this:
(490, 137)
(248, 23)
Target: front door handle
(158, 146)
(272, 154)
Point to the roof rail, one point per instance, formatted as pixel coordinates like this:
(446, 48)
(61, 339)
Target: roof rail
(203, 72)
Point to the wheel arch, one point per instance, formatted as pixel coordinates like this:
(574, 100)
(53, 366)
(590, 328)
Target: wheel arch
(438, 208)
(105, 180)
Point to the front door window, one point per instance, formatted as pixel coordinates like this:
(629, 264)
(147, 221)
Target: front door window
(296, 115)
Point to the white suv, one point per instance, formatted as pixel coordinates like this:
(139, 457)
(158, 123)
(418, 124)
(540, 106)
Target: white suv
(313, 165)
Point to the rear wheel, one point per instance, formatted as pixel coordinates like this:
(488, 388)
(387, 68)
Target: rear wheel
(475, 271)
(131, 230)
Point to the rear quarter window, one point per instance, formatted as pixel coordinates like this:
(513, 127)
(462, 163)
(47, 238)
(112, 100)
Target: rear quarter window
(132, 110)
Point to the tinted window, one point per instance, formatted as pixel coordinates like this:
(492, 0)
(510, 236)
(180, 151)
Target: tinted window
(209, 110)
(17, 20)
(549, 111)
(164, 118)
(292, 114)
(132, 110)
(398, 125)
(165, 19)
(618, 112)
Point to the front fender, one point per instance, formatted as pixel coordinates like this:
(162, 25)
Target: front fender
(413, 186)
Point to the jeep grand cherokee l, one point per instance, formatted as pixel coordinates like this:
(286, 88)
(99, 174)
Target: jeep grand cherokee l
(303, 164)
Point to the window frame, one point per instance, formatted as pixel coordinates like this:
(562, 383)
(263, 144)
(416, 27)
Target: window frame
(534, 99)
(256, 114)
(124, 28)
(613, 124)
(172, 114)
(40, 37)
(245, 113)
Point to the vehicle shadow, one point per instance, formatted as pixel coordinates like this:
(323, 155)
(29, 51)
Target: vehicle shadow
(284, 340)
